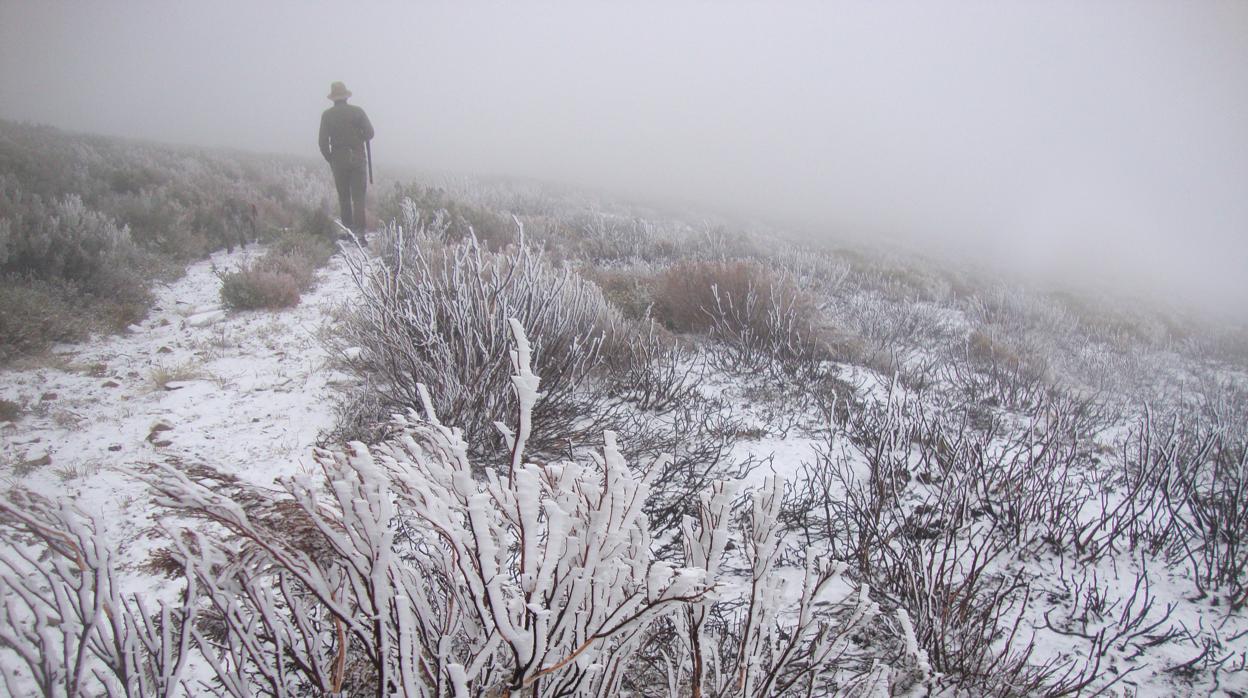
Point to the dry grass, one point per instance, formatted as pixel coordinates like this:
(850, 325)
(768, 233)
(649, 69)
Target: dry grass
(255, 287)
(77, 471)
(758, 315)
(162, 375)
(686, 293)
(277, 279)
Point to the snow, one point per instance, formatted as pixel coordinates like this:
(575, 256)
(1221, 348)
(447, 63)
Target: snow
(258, 393)
(250, 393)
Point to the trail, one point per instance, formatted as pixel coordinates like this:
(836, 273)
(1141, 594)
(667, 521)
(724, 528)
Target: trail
(250, 394)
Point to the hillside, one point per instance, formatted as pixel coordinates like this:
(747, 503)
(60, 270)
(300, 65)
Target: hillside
(522, 440)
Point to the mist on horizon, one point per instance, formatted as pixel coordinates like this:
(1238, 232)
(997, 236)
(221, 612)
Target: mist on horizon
(1093, 144)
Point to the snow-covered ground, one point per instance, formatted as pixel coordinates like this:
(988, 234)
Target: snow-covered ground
(247, 393)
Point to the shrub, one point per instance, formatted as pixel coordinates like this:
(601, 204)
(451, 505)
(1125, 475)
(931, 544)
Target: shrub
(437, 314)
(35, 314)
(606, 238)
(630, 289)
(98, 218)
(67, 241)
(317, 225)
(260, 286)
(418, 206)
(400, 571)
(760, 317)
(313, 246)
(277, 279)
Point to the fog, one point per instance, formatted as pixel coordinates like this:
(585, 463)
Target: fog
(1099, 143)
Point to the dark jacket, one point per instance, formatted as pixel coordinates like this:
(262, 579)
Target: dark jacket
(344, 129)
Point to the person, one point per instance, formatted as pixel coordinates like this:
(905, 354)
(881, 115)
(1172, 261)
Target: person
(345, 129)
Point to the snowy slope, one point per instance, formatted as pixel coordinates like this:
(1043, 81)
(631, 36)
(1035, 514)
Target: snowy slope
(250, 392)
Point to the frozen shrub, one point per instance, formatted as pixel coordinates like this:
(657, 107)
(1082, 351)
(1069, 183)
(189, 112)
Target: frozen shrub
(66, 625)
(654, 372)
(1000, 371)
(398, 571)
(418, 206)
(1184, 492)
(691, 444)
(607, 238)
(437, 314)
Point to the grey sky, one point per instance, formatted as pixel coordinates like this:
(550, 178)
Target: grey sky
(1100, 140)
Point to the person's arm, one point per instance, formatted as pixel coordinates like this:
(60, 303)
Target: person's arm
(366, 126)
(323, 138)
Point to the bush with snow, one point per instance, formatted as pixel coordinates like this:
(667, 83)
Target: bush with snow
(399, 570)
(435, 313)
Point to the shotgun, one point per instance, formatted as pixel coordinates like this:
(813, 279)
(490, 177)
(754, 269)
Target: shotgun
(368, 150)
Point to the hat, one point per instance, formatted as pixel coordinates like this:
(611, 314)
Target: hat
(338, 91)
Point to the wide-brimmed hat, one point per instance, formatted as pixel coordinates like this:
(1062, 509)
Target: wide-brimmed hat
(338, 91)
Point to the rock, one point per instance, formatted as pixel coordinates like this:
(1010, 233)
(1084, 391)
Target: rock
(162, 444)
(38, 461)
(202, 309)
(164, 350)
(205, 319)
(115, 448)
(158, 428)
(48, 397)
(111, 384)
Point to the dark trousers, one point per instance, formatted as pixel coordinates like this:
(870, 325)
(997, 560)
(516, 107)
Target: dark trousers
(351, 181)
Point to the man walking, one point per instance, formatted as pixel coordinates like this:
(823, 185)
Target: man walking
(345, 133)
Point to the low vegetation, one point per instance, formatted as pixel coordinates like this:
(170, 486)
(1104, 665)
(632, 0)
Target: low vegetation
(88, 223)
(433, 311)
(279, 277)
(404, 569)
(592, 452)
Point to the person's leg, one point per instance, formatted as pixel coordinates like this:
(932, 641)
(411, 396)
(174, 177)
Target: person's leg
(342, 180)
(359, 186)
